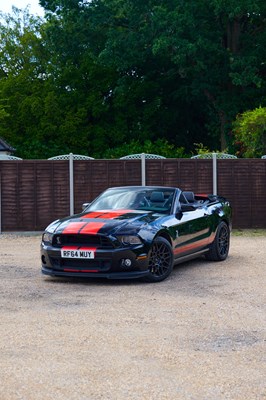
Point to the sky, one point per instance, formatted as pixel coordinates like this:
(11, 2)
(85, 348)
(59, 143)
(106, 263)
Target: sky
(35, 8)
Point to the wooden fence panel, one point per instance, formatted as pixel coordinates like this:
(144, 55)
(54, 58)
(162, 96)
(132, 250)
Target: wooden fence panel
(203, 175)
(132, 170)
(82, 184)
(9, 194)
(44, 194)
(170, 172)
(233, 174)
(154, 173)
(195, 175)
(187, 179)
(52, 191)
(257, 199)
(27, 195)
(116, 173)
(36, 192)
(243, 182)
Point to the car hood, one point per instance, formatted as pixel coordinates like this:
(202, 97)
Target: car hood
(107, 222)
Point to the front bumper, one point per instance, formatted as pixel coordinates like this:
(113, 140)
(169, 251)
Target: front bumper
(111, 275)
(106, 264)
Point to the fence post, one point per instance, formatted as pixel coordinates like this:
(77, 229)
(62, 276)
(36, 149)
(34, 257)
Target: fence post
(71, 183)
(214, 173)
(143, 170)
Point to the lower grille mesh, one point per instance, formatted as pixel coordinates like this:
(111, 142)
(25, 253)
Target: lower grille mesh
(60, 263)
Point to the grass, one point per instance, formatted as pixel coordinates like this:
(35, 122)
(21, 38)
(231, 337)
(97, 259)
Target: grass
(249, 232)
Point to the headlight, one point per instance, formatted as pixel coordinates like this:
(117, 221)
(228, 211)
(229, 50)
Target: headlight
(47, 237)
(134, 240)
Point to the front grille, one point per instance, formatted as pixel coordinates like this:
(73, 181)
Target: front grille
(99, 241)
(61, 263)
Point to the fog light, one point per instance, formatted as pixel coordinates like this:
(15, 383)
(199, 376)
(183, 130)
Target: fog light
(43, 260)
(126, 262)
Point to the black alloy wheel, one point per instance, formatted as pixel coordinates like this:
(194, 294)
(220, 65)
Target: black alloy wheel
(160, 261)
(220, 247)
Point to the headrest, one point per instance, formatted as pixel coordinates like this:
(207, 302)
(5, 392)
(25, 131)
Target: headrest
(189, 196)
(157, 197)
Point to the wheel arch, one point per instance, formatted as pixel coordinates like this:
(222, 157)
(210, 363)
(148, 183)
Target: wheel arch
(165, 235)
(221, 219)
(227, 221)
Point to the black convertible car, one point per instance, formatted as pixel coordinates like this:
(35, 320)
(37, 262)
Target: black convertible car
(134, 232)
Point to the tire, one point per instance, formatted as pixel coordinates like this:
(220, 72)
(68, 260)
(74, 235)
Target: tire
(161, 260)
(220, 247)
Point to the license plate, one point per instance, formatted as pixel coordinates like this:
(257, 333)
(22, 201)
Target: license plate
(84, 254)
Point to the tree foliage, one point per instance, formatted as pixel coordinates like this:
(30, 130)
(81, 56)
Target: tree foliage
(250, 132)
(159, 147)
(96, 76)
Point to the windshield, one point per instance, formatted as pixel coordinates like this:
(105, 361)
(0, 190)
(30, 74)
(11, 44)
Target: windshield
(157, 199)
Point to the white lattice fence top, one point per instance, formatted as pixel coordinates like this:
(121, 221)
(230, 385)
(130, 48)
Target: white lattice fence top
(138, 156)
(67, 157)
(8, 157)
(218, 155)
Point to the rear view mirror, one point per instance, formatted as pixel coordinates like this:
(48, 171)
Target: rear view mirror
(85, 205)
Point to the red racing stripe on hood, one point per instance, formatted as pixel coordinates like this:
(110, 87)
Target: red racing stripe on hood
(92, 227)
(94, 214)
(74, 227)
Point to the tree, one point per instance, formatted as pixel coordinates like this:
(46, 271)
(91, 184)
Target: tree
(159, 147)
(184, 69)
(142, 94)
(250, 132)
(48, 112)
(94, 75)
(208, 46)
(22, 78)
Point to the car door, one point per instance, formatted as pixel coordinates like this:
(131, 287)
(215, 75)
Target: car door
(192, 228)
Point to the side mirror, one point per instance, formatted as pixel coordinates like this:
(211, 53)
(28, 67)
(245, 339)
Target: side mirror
(85, 205)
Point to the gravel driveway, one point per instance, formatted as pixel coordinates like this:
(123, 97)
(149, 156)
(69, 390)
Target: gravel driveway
(200, 335)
